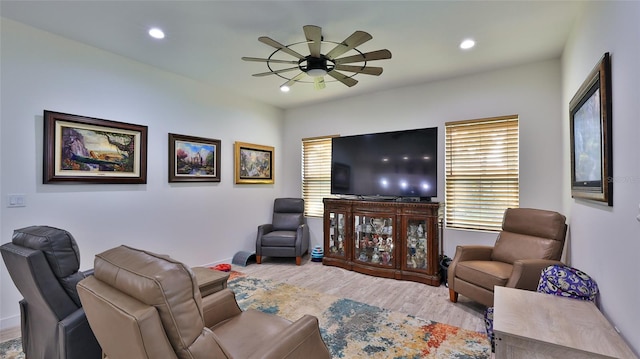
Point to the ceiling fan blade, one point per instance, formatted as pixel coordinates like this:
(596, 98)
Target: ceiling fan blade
(360, 69)
(367, 56)
(276, 72)
(257, 59)
(294, 79)
(314, 37)
(271, 42)
(318, 83)
(342, 78)
(356, 39)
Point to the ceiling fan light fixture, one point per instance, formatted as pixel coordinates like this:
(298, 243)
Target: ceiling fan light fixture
(316, 72)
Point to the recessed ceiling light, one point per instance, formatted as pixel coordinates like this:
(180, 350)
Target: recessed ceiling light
(156, 33)
(467, 44)
(284, 88)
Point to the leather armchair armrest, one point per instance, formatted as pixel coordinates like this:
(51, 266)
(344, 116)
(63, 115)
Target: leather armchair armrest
(300, 339)
(87, 272)
(302, 239)
(76, 338)
(264, 229)
(473, 253)
(467, 253)
(219, 307)
(526, 273)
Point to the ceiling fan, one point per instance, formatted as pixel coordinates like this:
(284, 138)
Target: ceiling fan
(316, 65)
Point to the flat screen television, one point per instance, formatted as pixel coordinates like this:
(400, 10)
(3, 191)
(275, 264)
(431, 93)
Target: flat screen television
(386, 165)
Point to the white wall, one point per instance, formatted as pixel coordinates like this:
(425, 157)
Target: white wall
(40, 71)
(196, 223)
(531, 91)
(604, 240)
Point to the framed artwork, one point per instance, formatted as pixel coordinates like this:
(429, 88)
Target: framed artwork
(193, 159)
(590, 131)
(92, 150)
(253, 163)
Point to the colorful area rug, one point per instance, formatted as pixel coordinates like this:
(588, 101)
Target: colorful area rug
(353, 329)
(350, 329)
(11, 349)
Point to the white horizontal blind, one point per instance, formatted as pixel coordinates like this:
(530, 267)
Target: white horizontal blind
(316, 174)
(481, 172)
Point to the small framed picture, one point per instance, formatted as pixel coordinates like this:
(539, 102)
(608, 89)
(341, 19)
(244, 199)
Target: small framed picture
(253, 163)
(193, 159)
(93, 150)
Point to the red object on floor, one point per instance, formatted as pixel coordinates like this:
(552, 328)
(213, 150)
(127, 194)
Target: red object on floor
(222, 267)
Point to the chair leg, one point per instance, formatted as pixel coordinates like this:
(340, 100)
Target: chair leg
(258, 259)
(298, 261)
(453, 296)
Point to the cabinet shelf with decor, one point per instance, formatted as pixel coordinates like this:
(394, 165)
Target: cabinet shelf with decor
(383, 238)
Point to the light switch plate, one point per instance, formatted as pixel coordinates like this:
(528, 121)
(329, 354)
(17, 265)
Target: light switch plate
(16, 200)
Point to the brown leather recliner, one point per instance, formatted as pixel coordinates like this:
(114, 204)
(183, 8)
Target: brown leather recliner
(142, 305)
(530, 240)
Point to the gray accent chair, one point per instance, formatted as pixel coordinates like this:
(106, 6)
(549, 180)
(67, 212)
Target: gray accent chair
(287, 235)
(43, 263)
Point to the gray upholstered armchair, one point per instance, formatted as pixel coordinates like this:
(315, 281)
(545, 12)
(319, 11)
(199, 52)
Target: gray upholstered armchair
(287, 235)
(43, 263)
(530, 240)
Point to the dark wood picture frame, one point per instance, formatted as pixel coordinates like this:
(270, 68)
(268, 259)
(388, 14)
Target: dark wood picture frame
(591, 136)
(92, 150)
(253, 163)
(193, 159)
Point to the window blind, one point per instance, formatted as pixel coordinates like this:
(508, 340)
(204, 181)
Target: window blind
(316, 174)
(481, 172)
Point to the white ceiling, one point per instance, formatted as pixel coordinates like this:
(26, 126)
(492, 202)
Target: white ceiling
(206, 39)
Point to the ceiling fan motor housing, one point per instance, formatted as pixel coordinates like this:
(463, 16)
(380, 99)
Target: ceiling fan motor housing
(316, 66)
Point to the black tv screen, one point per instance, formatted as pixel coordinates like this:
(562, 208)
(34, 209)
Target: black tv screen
(390, 164)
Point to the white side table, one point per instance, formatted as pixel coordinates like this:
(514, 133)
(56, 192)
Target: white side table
(535, 325)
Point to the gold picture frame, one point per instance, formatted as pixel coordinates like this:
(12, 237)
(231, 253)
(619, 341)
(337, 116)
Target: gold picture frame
(253, 163)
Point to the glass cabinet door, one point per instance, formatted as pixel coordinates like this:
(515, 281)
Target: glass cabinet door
(416, 244)
(336, 234)
(374, 240)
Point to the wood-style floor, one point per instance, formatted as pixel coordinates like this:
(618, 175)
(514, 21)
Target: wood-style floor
(423, 301)
(10, 333)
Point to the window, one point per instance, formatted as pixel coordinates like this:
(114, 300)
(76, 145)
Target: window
(481, 172)
(316, 174)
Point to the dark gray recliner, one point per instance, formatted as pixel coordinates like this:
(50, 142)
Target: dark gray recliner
(43, 263)
(287, 235)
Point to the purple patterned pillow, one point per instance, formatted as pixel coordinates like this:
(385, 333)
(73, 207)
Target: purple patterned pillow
(569, 282)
